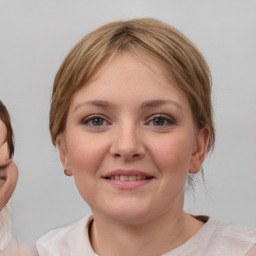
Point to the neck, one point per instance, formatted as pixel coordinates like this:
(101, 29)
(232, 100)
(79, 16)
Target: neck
(154, 237)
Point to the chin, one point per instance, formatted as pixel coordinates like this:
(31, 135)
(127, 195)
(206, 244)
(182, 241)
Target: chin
(129, 214)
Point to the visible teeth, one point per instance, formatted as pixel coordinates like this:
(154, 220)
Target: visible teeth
(132, 177)
(122, 177)
(128, 178)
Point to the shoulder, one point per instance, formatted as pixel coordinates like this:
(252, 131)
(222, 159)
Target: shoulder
(228, 238)
(217, 239)
(70, 240)
(235, 231)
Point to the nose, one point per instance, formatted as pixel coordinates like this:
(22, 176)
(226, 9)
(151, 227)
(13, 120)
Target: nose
(127, 144)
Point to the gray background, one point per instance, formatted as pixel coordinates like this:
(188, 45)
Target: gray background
(36, 35)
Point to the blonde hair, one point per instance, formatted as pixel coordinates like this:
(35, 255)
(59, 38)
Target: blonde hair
(182, 60)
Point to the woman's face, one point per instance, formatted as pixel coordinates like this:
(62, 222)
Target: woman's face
(130, 141)
(8, 169)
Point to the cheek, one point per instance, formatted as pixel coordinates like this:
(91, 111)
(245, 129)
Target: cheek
(85, 153)
(172, 157)
(173, 154)
(84, 158)
(2, 181)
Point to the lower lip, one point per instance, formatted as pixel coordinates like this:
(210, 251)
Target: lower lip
(126, 185)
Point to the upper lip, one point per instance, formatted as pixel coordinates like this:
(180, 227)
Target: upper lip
(125, 172)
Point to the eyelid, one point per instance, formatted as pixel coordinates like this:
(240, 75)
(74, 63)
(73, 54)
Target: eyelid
(88, 118)
(169, 118)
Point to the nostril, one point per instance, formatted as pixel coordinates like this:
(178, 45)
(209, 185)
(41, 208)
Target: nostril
(132, 156)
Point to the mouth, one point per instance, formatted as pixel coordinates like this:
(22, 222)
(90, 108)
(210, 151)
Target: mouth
(128, 177)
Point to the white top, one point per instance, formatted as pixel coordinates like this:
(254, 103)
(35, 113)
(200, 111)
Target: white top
(213, 239)
(16, 249)
(5, 226)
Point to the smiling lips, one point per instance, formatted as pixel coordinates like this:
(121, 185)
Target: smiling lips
(128, 179)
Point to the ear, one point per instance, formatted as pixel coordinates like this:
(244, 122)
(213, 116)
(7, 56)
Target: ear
(64, 158)
(201, 144)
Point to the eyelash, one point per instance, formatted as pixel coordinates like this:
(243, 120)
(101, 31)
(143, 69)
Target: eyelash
(169, 120)
(87, 120)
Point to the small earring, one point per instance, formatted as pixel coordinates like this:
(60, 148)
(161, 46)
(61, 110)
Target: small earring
(67, 172)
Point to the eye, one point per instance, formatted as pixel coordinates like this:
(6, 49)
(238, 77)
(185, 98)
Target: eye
(2, 177)
(2, 173)
(94, 120)
(161, 120)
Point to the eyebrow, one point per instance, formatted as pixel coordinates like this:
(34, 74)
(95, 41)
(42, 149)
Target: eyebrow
(160, 102)
(146, 104)
(96, 103)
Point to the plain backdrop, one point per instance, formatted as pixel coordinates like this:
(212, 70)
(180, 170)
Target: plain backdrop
(35, 36)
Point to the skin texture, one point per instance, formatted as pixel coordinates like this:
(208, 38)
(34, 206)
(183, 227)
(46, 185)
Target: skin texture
(8, 169)
(128, 117)
(8, 181)
(4, 154)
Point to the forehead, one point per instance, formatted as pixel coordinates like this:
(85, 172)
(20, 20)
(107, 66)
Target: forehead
(133, 78)
(139, 59)
(122, 68)
(3, 132)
